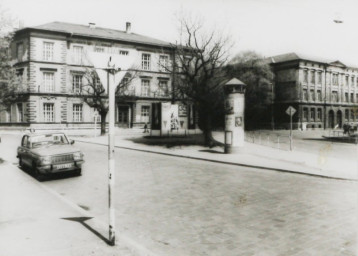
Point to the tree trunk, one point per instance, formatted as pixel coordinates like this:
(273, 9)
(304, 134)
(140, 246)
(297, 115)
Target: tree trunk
(103, 122)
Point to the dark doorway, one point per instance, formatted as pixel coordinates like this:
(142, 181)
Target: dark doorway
(331, 119)
(339, 119)
(123, 116)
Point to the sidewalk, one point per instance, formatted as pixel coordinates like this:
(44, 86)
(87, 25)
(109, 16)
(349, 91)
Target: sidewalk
(36, 222)
(320, 163)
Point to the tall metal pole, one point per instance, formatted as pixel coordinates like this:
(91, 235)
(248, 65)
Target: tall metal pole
(290, 129)
(111, 163)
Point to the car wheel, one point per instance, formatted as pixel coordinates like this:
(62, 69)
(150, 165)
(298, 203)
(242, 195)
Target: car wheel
(38, 175)
(21, 163)
(78, 172)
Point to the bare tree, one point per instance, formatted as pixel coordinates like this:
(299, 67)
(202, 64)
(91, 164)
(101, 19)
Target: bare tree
(198, 70)
(95, 95)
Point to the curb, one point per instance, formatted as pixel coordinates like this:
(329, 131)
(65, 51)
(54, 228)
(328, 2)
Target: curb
(122, 239)
(226, 162)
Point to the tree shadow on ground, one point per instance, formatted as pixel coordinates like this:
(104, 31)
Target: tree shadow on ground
(350, 140)
(174, 141)
(211, 151)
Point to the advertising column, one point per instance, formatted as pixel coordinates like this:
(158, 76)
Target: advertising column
(234, 115)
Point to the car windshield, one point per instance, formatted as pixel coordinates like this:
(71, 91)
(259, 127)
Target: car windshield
(48, 139)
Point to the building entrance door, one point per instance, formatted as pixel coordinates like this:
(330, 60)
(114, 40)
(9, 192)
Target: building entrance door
(123, 114)
(339, 118)
(330, 119)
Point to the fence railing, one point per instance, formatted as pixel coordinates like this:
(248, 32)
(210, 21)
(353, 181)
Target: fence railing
(269, 139)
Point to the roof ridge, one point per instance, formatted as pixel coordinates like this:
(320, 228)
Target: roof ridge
(101, 32)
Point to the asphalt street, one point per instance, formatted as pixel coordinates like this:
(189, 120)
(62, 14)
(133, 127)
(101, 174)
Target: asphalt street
(175, 206)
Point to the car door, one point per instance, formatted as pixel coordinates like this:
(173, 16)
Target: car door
(24, 150)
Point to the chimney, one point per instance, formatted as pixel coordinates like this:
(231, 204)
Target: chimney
(128, 27)
(21, 24)
(92, 25)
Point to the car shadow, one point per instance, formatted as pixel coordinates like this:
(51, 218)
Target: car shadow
(52, 176)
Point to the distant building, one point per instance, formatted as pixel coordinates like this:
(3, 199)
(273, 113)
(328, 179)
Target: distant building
(324, 93)
(50, 60)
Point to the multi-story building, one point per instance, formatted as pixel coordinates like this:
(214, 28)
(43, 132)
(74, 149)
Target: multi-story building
(51, 59)
(324, 93)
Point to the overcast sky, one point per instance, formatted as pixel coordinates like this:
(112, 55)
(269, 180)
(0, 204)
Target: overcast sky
(269, 27)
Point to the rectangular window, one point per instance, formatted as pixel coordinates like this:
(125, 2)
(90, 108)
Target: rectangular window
(77, 83)
(319, 95)
(305, 94)
(20, 114)
(346, 97)
(312, 114)
(123, 86)
(48, 81)
(48, 51)
(145, 88)
(145, 114)
(121, 52)
(319, 114)
(163, 63)
(346, 115)
(78, 53)
(77, 112)
(163, 88)
(145, 61)
(352, 97)
(352, 81)
(313, 77)
(334, 96)
(19, 51)
(357, 98)
(305, 76)
(335, 79)
(319, 77)
(305, 114)
(352, 115)
(312, 95)
(48, 111)
(347, 81)
(98, 49)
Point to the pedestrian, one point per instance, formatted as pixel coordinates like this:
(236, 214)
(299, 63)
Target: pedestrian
(145, 128)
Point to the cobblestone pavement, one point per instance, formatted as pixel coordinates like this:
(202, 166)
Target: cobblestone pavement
(175, 206)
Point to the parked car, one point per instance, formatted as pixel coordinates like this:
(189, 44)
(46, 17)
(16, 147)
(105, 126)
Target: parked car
(49, 153)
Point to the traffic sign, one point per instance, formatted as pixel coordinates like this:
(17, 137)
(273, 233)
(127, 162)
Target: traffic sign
(290, 111)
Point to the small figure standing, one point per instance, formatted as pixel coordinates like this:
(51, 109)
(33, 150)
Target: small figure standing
(145, 128)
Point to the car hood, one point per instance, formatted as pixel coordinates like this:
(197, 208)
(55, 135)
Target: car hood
(55, 150)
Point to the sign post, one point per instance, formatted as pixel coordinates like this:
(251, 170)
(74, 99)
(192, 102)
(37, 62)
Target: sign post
(290, 111)
(111, 163)
(109, 73)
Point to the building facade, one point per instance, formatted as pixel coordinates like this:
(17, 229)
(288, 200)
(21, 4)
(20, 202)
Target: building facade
(51, 61)
(324, 93)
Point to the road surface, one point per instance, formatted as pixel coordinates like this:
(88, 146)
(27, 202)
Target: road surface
(176, 206)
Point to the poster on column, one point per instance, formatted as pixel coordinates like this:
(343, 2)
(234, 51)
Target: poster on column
(174, 117)
(170, 117)
(165, 127)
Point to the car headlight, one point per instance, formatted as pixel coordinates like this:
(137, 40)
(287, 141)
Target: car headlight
(77, 156)
(45, 160)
